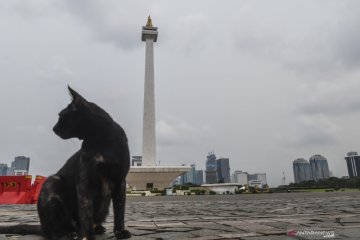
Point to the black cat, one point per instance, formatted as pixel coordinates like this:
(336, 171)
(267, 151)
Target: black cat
(76, 200)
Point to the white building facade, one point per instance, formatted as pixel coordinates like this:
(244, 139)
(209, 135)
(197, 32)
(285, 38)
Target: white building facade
(239, 177)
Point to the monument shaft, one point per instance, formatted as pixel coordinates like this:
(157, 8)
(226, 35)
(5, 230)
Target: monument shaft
(149, 35)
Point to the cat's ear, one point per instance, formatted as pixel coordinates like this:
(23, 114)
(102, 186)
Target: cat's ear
(77, 98)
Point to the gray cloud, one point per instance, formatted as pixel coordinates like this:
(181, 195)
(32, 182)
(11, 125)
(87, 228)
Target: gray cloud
(314, 131)
(299, 37)
(335, 98)
(109, 22)
(180, 134)
(346, 36)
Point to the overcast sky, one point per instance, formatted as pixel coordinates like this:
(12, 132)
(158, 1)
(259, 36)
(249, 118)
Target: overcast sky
(260, 82)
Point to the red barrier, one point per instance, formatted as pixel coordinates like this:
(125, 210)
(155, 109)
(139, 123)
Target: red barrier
(36, 187)
(18, 189)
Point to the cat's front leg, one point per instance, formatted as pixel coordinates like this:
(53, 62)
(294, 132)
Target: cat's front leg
(85, 204)
(119, 198)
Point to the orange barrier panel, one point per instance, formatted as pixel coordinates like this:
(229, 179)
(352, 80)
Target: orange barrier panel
(18, 189)
(36, 187)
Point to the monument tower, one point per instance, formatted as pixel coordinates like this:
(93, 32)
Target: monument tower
(148, 175)
(149, 35)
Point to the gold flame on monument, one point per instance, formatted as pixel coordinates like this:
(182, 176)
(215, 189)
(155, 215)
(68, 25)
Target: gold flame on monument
(149, 22)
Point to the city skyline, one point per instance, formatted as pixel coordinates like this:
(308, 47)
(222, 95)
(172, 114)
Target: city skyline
(302, 169)
(217, 170)
(20, 166)
(260, 82)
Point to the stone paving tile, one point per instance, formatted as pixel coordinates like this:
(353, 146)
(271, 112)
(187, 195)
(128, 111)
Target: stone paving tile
(261, 220)
(212, 218)
(159, 219)
(141, 220)
(207, 237)
(212, 225)
(240, 235)
(30, 237)
(172, 229)
(256, 228)
(170, 236)
(137, 224)
(322, 224)
(5, 223)
(200, 223)
(294, 220)
(267, 238)
(348, 233)
(282, 225)
(356, 226)
(234, 223)
(343, 216)
(273, 232)
(249, 227)
(210, 232)
(187, 219)
(170, 224)
(141, 232)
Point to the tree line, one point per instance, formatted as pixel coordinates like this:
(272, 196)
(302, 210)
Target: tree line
(332, 182)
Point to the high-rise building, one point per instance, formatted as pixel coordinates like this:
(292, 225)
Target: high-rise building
(189, 177)
(20, 166)
(223, 170)
(199, 177)
(3, 169)
(302, 170)
(262, 178)
(193, 176)
(211, 166)
(240, 177)
(319, 167)
(257, 179)
(353, 164)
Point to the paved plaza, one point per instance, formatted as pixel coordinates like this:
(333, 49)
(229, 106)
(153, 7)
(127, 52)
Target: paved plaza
(332, 215)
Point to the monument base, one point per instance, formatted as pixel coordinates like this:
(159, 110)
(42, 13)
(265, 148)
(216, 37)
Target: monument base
(148, 177)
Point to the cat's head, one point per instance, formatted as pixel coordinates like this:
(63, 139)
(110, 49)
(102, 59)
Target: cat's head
(81, 119)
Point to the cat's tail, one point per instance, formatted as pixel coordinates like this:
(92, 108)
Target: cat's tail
(21, 229)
